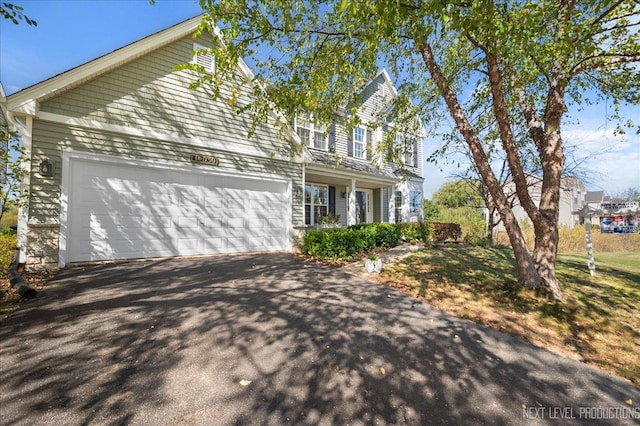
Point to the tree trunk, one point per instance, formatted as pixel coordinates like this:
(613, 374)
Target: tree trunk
(527, 273)
(545, 251)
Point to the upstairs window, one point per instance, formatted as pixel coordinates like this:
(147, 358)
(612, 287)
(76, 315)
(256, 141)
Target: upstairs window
(359, 142)
(204, 58)
(312, 134)
(405, 146)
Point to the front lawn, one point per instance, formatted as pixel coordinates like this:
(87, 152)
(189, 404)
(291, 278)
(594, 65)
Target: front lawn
(599, 323)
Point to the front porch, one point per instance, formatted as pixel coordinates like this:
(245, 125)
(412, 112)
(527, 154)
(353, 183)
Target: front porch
(337, 196)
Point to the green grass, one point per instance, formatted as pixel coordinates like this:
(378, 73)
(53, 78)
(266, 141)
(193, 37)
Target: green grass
(599, 323)
(10, 217)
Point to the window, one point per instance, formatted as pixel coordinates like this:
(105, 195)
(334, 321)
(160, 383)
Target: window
(405, 146)
(312, 134)
(398, 206)
(408, 152)
(415, 202)
(359, 142)
(316, 203)
(203, 57)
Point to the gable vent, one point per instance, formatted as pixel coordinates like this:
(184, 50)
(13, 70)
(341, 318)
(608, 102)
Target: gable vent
(203, 58)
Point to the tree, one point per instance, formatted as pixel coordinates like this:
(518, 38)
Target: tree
(524, 62)
(11, 161)
(11, 156)
(630, 194)
(459, 201)
(430, 210)
(459, 193)
(14, 13)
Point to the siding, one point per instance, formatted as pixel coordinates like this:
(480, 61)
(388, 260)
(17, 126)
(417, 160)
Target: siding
(149, 93)
(372, 103)
(50, 139)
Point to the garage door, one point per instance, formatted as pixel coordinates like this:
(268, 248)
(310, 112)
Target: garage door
(130, 211)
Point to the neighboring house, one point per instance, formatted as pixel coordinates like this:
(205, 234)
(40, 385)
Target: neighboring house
(128, 162)
(572, 199)
(612, 216)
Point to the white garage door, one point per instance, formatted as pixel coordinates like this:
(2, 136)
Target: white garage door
(127, 211)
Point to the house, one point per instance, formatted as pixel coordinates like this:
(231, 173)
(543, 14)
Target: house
(342, 181)
(613, 216)
(572, 199)
(126, 161)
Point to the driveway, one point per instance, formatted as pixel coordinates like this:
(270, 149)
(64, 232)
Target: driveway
(270, 339)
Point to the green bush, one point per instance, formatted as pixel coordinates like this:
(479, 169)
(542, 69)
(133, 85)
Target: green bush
(416, 232)
(345, 244)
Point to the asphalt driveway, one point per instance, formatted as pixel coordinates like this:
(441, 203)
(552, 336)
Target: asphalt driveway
(270, 339)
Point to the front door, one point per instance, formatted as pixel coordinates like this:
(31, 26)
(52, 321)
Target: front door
(364, 199)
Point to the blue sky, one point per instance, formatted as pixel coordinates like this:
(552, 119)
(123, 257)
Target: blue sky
(70, 33)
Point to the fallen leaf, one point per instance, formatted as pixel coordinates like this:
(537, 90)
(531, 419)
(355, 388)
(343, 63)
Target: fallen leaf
(382, 371)
(244, 382)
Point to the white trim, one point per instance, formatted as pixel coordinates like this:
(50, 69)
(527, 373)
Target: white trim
(151, 134)
(67, 179)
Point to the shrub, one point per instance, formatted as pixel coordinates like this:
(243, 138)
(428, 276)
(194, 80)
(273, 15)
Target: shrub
(446, 231)
(416, 232)
(7, 246)
(344, 244)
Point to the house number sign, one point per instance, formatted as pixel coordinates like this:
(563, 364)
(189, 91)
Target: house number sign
(204, 159)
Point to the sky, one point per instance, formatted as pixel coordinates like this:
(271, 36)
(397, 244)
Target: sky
(70, 33)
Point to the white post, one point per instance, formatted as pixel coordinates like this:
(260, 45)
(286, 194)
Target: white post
(587, 231)
(392, 204)
(352, 204)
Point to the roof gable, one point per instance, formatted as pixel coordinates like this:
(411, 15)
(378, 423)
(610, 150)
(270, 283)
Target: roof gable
(25, 100)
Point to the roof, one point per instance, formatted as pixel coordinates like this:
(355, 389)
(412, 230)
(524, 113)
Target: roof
(24, 100)
(594, 196)
(332, 160)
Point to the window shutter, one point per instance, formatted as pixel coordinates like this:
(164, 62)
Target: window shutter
(332, 200)
(415, 154)
(332, 137)
(368, 145)
(350, 144)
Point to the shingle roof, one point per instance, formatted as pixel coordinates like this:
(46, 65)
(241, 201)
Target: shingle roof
(332, 160)
(594, 196)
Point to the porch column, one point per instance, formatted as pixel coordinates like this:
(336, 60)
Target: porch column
(392, 204)
(351, 220)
